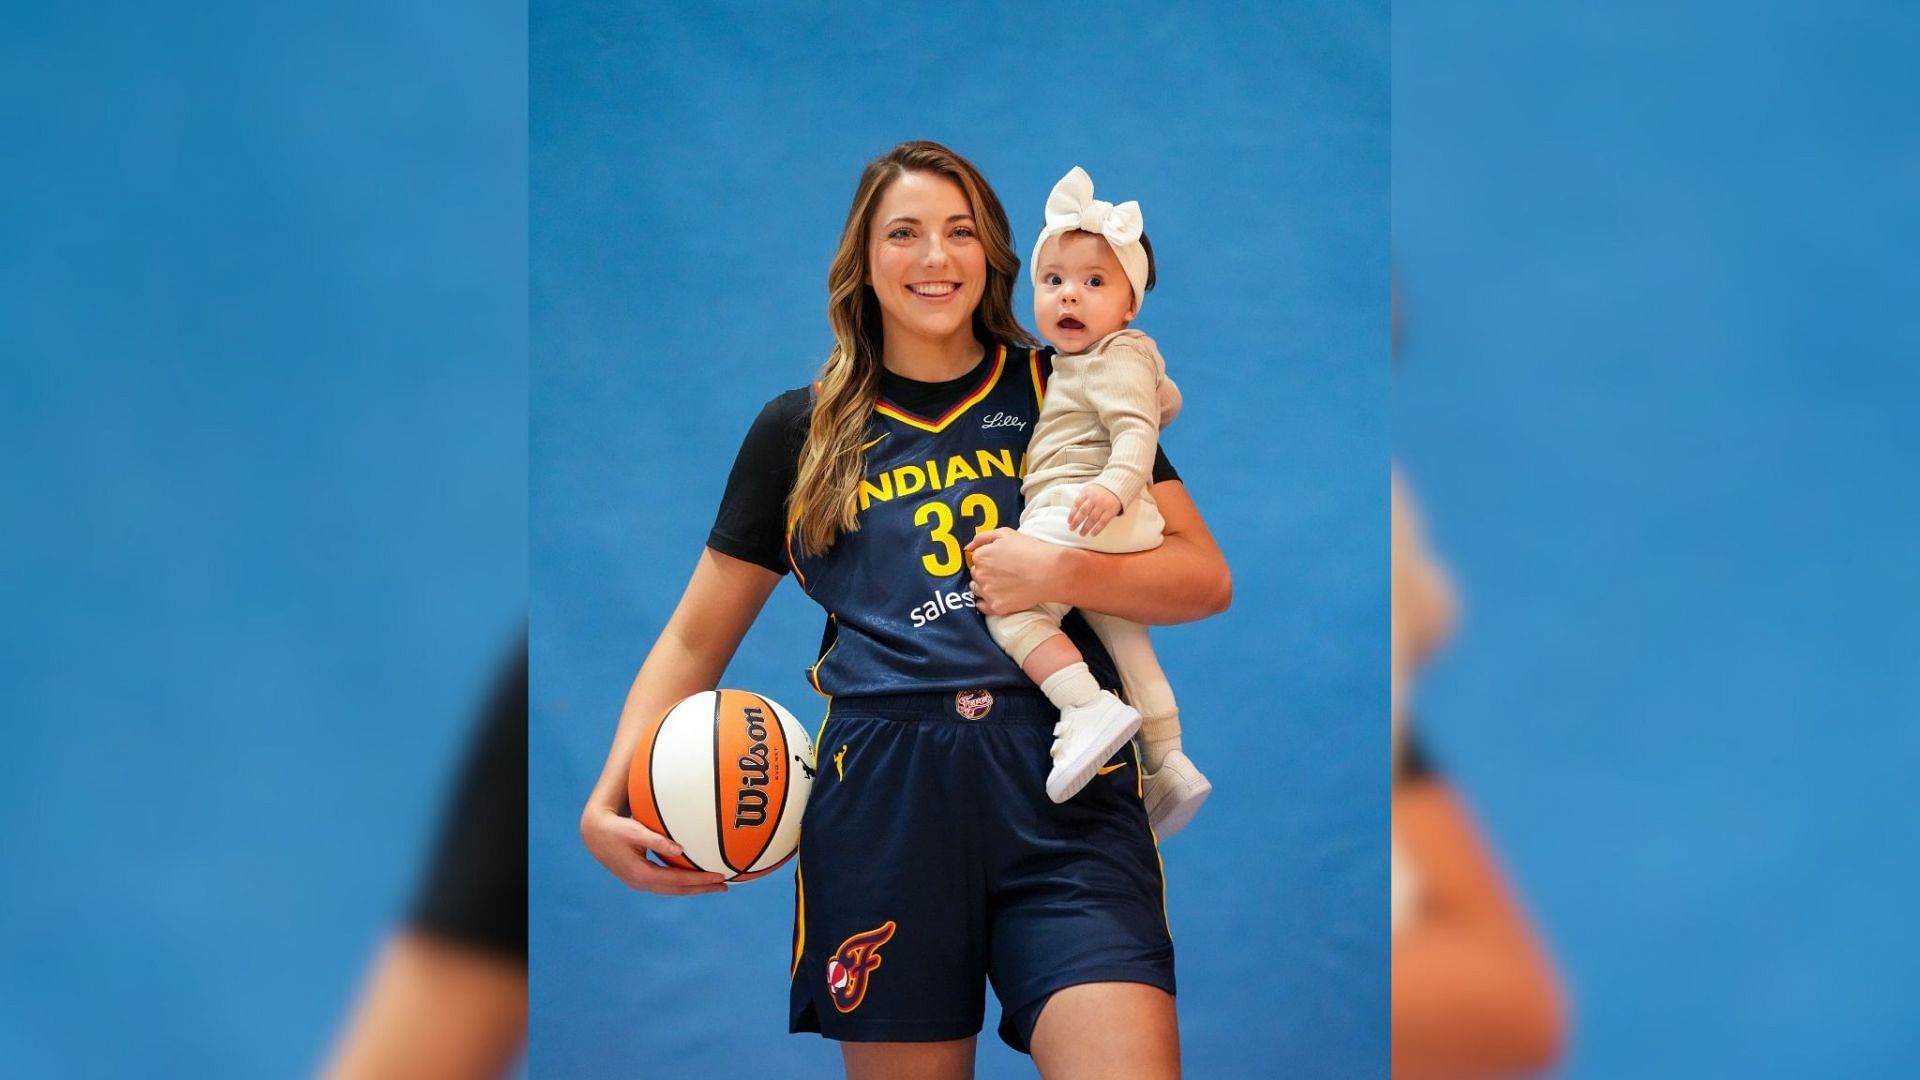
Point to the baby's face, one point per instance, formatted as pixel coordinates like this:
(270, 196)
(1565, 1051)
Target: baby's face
(1081, 294)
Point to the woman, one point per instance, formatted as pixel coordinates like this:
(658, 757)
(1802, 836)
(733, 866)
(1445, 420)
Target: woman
(931, 859)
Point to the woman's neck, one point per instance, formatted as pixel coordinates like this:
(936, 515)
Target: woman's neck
(925, 360)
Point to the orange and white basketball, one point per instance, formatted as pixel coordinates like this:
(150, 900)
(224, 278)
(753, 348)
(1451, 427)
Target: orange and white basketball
(725, 774)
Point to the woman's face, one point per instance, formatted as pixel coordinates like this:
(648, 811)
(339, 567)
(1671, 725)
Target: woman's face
(924, 259)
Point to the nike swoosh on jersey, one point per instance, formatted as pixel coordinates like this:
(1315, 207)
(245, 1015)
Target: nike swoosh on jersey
(1111, 768)
(874, 443)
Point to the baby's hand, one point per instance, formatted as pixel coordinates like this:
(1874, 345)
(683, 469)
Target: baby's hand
(1093, 510)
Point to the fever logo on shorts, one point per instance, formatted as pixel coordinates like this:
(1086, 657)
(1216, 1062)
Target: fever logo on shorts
(849, 969)
(972, 704)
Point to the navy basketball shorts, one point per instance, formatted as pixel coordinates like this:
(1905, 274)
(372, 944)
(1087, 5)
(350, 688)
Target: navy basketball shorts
(931, 861)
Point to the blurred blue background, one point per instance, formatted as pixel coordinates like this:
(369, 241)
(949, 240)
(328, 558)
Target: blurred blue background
(1655, 395)
(262, 316)
(691, 171)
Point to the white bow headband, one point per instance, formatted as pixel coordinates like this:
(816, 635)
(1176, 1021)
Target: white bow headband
(1071, 206)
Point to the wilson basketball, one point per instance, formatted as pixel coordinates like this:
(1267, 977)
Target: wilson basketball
(725, 774)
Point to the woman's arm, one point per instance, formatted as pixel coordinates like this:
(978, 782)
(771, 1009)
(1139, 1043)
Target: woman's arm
(1184, 579)
(721, 601)
(1473, 995)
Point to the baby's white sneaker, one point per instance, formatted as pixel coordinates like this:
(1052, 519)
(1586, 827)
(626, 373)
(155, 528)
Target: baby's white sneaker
(1174, 793)
(1086, 736)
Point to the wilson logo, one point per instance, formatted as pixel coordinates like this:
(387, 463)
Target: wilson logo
(750, 803)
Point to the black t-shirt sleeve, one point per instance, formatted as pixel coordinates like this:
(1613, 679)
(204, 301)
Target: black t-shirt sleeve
(1163, 469)
(1416, 763)
(752, 522)
(475, 889)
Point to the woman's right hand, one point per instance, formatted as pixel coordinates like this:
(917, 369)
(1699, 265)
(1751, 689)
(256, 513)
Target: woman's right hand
(690, 655)
(621, 844)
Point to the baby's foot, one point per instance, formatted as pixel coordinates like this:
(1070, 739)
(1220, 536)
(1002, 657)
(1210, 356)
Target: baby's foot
(1174, 793)
(1086, 736)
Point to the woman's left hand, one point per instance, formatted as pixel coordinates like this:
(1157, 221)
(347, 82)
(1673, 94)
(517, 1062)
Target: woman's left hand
(1013, 572)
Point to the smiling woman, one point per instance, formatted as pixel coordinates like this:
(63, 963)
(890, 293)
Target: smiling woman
(923, 240)
(929, 715)
(878, 458)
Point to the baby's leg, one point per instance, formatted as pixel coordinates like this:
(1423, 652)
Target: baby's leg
(1093, 723)
(1051, 657)
(1139, 529)
(1034, 641)
(1033, 637)
(1175, 789)
(1145, 684)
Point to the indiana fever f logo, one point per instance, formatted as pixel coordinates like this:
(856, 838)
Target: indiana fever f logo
(850, 968)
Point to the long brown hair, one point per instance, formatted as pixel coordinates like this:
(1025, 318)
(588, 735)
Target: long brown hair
(832, 463)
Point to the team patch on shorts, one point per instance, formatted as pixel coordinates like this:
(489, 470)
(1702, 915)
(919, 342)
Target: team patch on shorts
(973, 704)
(852, 967)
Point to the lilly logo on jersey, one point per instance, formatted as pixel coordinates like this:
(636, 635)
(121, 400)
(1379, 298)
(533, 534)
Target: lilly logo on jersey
(852, 967)
(1003, 420)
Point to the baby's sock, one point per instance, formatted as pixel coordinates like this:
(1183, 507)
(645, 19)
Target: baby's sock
(1070, 686)
(1159, 736)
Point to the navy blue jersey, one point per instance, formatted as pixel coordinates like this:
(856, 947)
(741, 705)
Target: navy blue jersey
(897, 590)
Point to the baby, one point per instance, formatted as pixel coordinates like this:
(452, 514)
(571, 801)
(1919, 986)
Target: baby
(1089, 470)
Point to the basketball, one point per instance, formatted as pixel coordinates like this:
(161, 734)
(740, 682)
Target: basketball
(724, 774)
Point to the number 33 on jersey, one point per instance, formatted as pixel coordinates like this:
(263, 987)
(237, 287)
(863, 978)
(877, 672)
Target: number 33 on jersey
(897, 591)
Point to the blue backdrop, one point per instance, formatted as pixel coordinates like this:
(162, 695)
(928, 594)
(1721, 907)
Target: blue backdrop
(263, 328)
(1656, 395)
(690, 174)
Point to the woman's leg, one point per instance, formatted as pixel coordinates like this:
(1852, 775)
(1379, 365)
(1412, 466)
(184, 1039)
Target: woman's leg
(1107, 1031)
(894, 1061)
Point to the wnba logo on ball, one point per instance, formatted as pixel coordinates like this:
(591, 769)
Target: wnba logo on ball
(849, 969)
(750, 805)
